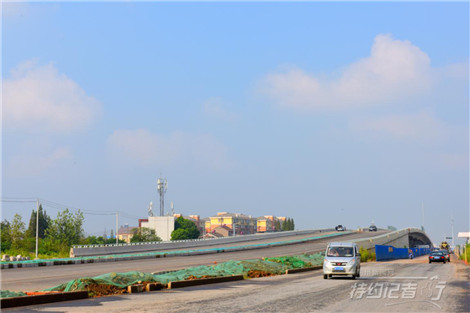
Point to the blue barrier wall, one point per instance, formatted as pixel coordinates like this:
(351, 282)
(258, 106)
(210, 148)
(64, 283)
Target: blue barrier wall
(383, 253)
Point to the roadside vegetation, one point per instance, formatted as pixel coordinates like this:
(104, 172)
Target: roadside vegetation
(287, 225)
(56, 236)
(464, 250)
(184, 229)
(144, 234)
(366, 256)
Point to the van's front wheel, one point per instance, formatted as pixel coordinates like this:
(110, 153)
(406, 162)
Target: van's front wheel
(325, 276)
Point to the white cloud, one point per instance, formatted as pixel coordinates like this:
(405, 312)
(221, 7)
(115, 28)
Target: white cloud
(39, 98)
(218, 108)
(421, 127)
(394, 70)
(459, 71)
(176, 149)
(15, 10)
(35, 164)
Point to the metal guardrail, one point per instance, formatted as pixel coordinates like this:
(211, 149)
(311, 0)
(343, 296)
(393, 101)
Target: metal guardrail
(255, 236)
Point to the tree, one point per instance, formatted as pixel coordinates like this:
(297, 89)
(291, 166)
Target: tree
(67, 228)
(17, 232)
(184, 229)
(5, 235)
(288, 224)
(93, 240)
(392, 228)
(144, 234)
(285, 225)
(43, 223)
(277, 225)
(180, 234)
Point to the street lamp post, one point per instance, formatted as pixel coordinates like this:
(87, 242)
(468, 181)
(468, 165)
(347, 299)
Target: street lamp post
(37, 227)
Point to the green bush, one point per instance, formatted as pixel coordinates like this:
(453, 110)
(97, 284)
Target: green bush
(462, 252)
(366, 256)
(184, 229)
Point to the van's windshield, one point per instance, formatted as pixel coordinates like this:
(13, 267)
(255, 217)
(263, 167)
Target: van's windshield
(340, 251)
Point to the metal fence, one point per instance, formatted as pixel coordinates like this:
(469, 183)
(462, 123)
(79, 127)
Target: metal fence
(384, 253)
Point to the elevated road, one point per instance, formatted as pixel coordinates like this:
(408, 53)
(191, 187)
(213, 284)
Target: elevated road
(112, 249)
(36, 278)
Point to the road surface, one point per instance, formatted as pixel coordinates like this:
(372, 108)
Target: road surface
(37, 278)
(412, 286)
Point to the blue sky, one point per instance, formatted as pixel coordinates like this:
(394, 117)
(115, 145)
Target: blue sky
(331, 113)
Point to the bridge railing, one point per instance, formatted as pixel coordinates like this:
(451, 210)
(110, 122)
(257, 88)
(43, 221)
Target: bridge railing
(388, 238)
(124, 248)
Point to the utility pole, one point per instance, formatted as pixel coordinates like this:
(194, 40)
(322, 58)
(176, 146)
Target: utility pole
(117, 223)
(452, 224)
(37, 227)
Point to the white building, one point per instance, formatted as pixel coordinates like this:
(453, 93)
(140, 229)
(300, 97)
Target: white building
(163, 226)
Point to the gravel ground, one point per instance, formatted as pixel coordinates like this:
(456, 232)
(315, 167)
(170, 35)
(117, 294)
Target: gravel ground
(304, 292)
(36, 278)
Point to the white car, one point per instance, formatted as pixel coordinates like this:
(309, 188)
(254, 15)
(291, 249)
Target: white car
(340, 228)
(342, 258)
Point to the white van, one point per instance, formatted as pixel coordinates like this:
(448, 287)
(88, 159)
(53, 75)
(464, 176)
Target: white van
(342, 258)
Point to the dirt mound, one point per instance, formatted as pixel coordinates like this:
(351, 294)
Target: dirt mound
(99, 290)
(194, 277)
(257, 273)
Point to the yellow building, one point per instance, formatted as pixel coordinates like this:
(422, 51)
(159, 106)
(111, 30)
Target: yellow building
(125, 233)
(264, 224)
(267, 223)
(243, 224)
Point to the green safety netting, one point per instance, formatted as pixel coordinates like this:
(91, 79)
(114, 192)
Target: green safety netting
(269, 266)
(299, 261)
(9, 294)
(120, 280)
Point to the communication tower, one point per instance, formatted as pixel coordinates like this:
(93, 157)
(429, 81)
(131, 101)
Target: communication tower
(162, 186)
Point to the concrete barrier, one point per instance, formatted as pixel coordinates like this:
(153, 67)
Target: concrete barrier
(153, 286)
(136, 288)
(203, 281)
(41, 299)
(305, 269)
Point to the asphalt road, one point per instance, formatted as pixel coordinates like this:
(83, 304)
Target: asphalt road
(37, 278)
(408, 286)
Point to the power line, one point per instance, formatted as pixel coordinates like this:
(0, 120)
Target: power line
(20, 198)
(61, 206)
(88, 212)
(18, 201)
